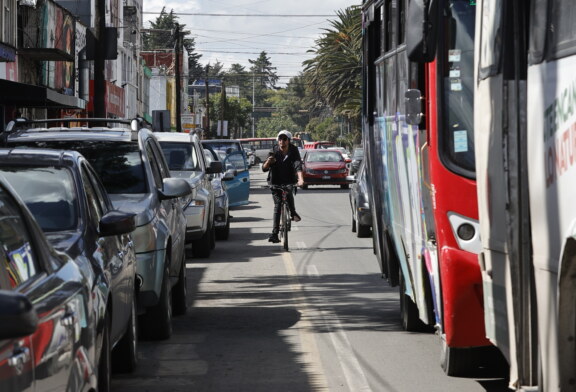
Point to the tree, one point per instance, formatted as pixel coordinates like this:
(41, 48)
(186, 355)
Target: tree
(238, 76)
(263, 70)
(270, 126)
(237, 113)
(334, 73)
(164, 37)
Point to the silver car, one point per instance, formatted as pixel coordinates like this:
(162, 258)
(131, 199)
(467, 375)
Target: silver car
(185, 157)
(135, 174)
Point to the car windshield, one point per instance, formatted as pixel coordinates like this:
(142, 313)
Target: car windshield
(180, 156)
(118, 164)
(227, 147)
(48, 192)
(328, 156)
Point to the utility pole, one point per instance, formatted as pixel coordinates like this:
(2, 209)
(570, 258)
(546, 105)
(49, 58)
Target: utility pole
(222, 107)
(207, 100)
(178, 81)
(99, 60)
(253, 103)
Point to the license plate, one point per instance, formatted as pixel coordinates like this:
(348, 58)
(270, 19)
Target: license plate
(325, 177)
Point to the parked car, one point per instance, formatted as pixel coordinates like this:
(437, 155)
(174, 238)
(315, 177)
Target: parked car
(186, 160)
(71, 206)
(239, 188)
(221, 205)
(135, 174)
(360, 203)
(324, 167)
(357, 158)
(54, 329)
(344, 153)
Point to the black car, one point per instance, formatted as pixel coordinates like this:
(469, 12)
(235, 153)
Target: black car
(357, 158)
(130, 163)
(71, 206)
(360, 203)
(54, 329)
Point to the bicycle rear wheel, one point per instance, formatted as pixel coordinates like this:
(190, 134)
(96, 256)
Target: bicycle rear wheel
(285, 225)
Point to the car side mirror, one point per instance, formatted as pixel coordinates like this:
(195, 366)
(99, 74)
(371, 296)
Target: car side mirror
(214, 167)
(351, 179)
(116, 223)
(173, 188)
(18, 317)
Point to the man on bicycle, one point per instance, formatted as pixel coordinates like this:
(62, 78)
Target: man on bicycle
(285, 167)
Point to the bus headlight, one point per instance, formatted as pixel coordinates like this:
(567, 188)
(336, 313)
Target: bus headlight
(466, 231)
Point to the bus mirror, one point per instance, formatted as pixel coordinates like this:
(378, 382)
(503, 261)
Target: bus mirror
(421, 36)
(413, 100)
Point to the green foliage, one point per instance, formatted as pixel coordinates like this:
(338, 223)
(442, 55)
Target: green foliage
(270, 126)
(155, 40)
(334, 73)
(237, 113)
(324, 129)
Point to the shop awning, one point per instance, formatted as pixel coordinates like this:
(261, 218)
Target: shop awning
(29, 95)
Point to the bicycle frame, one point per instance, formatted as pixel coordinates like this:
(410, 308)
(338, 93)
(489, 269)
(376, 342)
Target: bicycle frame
(285, 219)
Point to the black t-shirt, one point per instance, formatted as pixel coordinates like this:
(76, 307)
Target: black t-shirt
(283, 171)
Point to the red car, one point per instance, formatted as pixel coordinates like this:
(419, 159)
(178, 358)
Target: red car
(324, 167)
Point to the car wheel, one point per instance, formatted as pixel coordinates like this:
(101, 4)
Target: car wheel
(363, 231)
(179, 291)
(222, 233)
(156, 323)
(212, 236)
(104, 365)
(203, 246)
(353, 224)
(125, 354)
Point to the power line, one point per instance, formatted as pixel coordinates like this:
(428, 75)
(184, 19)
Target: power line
(247, 15)
(283, 53)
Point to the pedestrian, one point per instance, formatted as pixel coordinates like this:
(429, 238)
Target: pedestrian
(284, 167)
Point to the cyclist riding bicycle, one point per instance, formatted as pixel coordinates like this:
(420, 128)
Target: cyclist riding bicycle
(284, 167)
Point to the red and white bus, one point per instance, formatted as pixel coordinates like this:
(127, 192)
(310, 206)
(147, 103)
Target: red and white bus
(418, 133)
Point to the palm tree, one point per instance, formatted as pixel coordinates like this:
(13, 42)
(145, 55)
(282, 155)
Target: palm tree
(334, 74)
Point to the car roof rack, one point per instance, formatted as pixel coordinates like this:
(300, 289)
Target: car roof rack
(134, 124)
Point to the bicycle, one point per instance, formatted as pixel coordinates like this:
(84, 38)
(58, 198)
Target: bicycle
(285, 217)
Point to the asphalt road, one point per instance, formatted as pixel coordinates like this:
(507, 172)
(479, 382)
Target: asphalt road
(317, 318)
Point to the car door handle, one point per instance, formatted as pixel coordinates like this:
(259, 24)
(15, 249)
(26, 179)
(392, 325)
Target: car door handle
(20, 357)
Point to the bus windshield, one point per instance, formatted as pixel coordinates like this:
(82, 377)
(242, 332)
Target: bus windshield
(457, 73)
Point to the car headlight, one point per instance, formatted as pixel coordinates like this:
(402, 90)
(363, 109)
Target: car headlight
(309, 171)
(145, 238)
(342, 171)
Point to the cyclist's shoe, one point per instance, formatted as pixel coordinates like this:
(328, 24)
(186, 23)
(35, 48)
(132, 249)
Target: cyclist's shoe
(274, 238)
(296, 217)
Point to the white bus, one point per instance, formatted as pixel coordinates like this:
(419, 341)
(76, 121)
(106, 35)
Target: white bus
(525, 141)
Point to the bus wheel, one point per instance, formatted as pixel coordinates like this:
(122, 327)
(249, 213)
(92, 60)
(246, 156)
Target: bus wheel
(408, 309)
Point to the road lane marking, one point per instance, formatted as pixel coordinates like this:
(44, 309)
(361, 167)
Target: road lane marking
(312, 271)
(300, 245)
(352, 370)
(310, 350)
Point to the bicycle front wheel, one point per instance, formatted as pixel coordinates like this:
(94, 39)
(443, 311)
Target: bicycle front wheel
(285, 224)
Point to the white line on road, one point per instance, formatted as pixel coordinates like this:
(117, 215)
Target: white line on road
(351, 368)
(300, 245)
(312, 271)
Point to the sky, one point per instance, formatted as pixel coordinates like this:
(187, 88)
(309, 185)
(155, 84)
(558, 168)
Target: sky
(237, 37)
